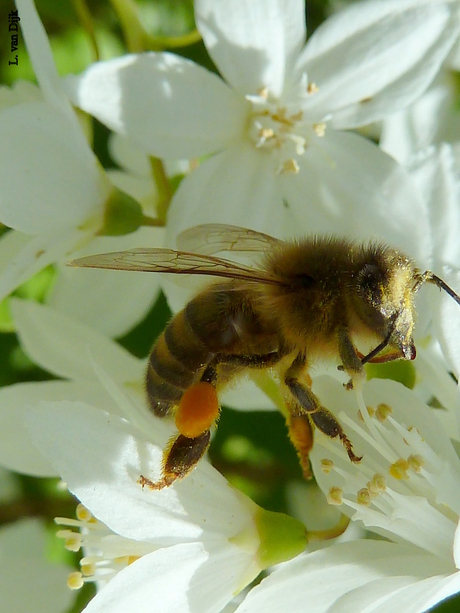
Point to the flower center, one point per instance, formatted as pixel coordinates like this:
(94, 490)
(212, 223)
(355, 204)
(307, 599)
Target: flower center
(106, 552)
(281, 127)
(401, 488)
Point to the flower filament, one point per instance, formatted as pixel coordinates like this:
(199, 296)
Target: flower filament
(281, 126)
(107, 552)
(403, 487)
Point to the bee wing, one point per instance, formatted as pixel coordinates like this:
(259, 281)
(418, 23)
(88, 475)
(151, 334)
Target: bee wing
(175, 262)
(213, 238)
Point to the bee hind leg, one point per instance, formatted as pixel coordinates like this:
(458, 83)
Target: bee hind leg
(179, 459)
(197, 411)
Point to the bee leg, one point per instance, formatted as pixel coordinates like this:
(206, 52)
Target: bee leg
(197, 411)
(256, 360)
(180, 458)
(308, 407)
(351, 362)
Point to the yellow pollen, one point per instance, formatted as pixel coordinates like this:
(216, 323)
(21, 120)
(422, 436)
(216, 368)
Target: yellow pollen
(383, 411)
(327, 465)
(335, 495)
(416, 462)
(312, 88)
(399, 469)
(132, 559)
(289, 166)
(263, 92)
(320, 129)
(75, 581)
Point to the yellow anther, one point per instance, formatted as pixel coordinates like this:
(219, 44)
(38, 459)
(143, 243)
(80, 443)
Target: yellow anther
(363, 497)
(377, 484)
(83, 514)
(383, 411)
(88, 570)
(399, 469)
(416, 462)
(289, 166)
(335, 495)
(312, 88)
(75, 581)
(319, 128)
(327, 465)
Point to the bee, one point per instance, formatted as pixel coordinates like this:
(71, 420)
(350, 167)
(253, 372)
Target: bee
(319, 297)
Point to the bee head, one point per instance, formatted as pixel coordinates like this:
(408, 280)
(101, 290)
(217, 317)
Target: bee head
(383, 297)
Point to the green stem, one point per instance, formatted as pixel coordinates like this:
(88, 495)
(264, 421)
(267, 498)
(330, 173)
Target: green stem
(165, 192)
(86, 20)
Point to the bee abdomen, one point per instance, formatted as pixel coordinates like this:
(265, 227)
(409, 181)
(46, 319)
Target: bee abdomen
(176, 362)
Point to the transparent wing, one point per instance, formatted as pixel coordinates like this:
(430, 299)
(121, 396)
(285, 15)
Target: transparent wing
(175, 262)
(213, 238)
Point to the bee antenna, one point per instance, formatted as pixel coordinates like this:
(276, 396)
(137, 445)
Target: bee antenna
(430, 277)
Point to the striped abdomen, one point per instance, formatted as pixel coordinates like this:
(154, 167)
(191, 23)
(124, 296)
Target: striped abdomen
(190, 341)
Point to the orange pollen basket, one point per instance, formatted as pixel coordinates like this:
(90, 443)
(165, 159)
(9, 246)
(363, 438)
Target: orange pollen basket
(198, 409)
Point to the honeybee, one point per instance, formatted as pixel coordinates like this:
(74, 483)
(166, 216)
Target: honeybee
(306, 299)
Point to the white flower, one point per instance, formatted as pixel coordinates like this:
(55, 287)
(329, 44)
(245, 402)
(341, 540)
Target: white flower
(430, 120)
(406, 489)
(55, 196)
(197, 543)
(28, 582)
(74, 353)
(283, 161)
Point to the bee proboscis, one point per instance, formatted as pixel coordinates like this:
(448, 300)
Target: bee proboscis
(306, 299)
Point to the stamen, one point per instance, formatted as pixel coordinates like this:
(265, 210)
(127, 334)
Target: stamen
(327, 465)
(289, 166)
(399, 469)
(383, 411)
(320, 129)
(377, 484)
(335, 496)
(363, 497)
(75, 581)
(312, 88)
(416, 462)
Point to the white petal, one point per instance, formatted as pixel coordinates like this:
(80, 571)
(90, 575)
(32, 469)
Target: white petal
(447, 320)
(437, 175)
(42, 60)
(430, 120)
(323, 577)
(188, 577)
(64, 347)
(254, 44)
(17, 452)
(111, 302)
(167, 105)
(372, 59)
(23, 563)
(347, 183)
(404, 593)
(237, 185)
(22, 256)
(101, 457)
(50, 180)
